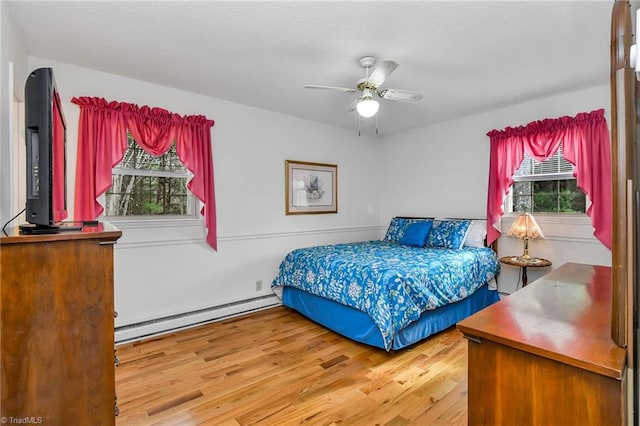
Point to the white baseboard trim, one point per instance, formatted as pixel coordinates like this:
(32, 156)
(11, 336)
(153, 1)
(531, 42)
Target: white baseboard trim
(170, 324)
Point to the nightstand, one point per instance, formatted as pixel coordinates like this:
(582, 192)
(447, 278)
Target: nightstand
(533, 262)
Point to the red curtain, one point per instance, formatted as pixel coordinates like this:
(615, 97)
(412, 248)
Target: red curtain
(586, 145)
(193, 146)
(102, 142)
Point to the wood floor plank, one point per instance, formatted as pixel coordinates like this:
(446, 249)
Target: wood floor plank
(276, 367)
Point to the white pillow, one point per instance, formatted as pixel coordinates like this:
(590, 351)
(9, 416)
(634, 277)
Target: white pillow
(477, 233)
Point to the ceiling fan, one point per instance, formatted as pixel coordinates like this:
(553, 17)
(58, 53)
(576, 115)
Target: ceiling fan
(365, 104)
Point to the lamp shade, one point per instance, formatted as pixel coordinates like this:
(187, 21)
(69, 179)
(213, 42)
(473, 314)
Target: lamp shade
(525, 226)
(367, 107)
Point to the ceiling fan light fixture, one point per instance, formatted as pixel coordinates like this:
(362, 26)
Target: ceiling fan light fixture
(367, 107)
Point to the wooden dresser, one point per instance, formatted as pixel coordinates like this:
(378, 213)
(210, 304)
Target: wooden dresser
(544, 355)
(56, 327)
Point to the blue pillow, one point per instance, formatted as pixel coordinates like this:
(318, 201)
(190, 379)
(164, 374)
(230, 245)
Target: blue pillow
(448, 234)
(398, 226)
(416, 234)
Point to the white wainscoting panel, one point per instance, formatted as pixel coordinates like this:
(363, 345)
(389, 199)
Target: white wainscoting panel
(167, 278)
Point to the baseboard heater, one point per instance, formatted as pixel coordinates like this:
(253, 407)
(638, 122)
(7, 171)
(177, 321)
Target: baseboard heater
(169, 324)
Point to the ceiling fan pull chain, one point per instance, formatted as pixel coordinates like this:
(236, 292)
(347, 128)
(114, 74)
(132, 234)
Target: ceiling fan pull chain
(358, 124)
(376, 124)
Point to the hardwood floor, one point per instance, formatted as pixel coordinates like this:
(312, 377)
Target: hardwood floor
(275, 367)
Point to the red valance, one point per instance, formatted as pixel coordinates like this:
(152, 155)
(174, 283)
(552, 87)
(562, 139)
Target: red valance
(102, 142)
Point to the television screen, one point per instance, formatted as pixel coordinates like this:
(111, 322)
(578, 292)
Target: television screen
(46, 154)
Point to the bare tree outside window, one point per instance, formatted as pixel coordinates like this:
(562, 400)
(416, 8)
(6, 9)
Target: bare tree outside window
(146, 185)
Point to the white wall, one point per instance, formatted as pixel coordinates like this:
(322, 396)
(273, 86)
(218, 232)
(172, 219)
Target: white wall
(164, 270)
(13, 61)
(439, 170)
(168, 270)
(442, 170)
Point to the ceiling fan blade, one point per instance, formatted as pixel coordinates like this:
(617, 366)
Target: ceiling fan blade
(382, 71)
(400, 95)
(342, 89)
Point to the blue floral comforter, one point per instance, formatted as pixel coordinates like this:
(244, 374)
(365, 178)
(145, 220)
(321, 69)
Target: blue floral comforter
(391, 282)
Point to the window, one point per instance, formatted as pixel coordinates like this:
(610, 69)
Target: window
(547, 186)
(144, 185)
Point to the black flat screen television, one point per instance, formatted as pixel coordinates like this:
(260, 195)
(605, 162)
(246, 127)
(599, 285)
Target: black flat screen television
(46, 138)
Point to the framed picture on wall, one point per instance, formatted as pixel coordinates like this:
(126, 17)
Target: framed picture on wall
(311, 187)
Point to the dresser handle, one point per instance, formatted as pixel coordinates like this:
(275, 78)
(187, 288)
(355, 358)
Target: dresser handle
(473, 338)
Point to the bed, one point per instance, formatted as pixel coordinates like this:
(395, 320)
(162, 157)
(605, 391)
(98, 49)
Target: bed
(423, 277)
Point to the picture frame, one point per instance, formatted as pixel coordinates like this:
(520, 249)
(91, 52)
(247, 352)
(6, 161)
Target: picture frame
(310, 188)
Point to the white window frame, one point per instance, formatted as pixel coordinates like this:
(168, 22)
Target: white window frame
(560, 175)
(194, 205)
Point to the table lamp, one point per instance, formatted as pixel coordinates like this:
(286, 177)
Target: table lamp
(525, 227)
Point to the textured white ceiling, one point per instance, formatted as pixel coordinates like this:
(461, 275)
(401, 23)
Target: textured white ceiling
(465, 56)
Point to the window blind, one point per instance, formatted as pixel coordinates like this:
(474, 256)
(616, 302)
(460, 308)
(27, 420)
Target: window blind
(555, 167)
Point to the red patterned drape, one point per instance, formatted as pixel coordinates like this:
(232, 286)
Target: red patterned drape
(102, 142)
(586, 145)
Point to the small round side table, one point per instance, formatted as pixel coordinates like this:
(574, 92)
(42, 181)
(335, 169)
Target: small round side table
(533, 262)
